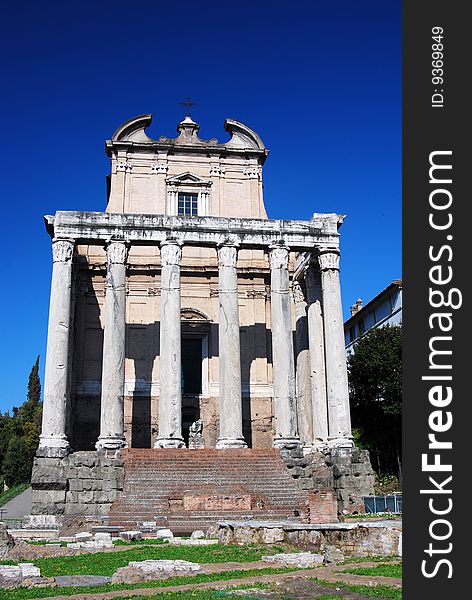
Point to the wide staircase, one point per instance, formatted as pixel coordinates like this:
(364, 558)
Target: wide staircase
(192, 489)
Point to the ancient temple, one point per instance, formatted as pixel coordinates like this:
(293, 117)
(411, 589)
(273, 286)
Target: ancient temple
(186, 324)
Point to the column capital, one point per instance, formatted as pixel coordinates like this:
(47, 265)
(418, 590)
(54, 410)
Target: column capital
(117, 252)
(278, 256)
(171, 252)
(329, 260)
(227, 255)
(62, 250)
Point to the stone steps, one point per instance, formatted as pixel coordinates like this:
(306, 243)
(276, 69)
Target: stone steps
(192, 489)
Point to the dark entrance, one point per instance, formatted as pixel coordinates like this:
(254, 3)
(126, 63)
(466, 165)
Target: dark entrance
(192, 357)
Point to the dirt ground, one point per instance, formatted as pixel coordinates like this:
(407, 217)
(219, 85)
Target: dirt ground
(285, 586)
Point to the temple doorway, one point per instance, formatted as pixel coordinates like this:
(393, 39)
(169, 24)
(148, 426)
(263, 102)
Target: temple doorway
(192, 379)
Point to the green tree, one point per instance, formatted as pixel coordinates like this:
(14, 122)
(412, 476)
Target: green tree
(31, 409)
(19, 433)
(17, 462)
(375, 387)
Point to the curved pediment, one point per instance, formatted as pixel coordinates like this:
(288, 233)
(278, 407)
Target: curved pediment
(133, 130)
(193, 314)
(242, 136)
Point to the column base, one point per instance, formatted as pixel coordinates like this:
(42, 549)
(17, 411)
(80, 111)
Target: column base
(223, 443)
(287, 443)
(169, 442)
(341, 442)
(53, 447)
(320, 445)
(111, 443)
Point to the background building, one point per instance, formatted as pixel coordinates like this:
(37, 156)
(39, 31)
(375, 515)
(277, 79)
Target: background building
(384, 309)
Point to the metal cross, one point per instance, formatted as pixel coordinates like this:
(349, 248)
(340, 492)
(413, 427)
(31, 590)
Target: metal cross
(188, 103)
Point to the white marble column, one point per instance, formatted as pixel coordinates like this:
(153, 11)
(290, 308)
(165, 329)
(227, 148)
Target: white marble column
(339, 418)
(170, 395)
(53, 441)
(317, 358)
(113, 369)
(302, 367)
(286, 430)
(231, 415)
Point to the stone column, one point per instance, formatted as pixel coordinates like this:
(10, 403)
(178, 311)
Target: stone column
(170, 395)
(113, 370)
(339, 418)
(53, 441)
(302, 367)
(286, 430)
(317, 357)
(231, 414)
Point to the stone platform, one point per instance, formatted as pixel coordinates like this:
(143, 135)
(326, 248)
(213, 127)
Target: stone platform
(361, 538)
(193, 489)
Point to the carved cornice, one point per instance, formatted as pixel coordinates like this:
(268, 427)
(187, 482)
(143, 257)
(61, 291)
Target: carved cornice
(171, 253)
(62, 250)
(159, 167)
(328, 260)
(252, 173)
(117, 252)
(261, 294)
(123, 166)
(217, 171)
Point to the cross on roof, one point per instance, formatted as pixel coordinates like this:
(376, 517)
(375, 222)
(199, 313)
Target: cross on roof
(188, 103)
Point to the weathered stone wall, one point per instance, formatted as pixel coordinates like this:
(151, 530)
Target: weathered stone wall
(347, 471)
(354, 539)
(82, 483)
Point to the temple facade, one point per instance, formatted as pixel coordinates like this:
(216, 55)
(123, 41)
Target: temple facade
(182, 317)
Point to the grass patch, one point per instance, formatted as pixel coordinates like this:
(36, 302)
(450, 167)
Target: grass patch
(12, 492)
(381, 559)
(379, 570)
(45, 592)
(369, 591)
(106, 563)
(200, 594)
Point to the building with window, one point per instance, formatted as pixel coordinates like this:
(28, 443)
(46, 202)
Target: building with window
(384, 309)
(185, 324)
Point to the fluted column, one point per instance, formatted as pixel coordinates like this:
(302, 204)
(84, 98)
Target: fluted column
(170, 395)
(339, 418)
(317, 357)
(302, 367)
(53, 441)
(231, 415)
(286, 431)
(113, 370)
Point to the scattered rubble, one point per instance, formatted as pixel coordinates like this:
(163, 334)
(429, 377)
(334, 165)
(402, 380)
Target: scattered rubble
(302, 560)
(164, 534)
(333, 555)
(197, 535)
(147, 570)
(131, 535)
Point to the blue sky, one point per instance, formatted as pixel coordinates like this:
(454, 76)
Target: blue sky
(319, 81)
